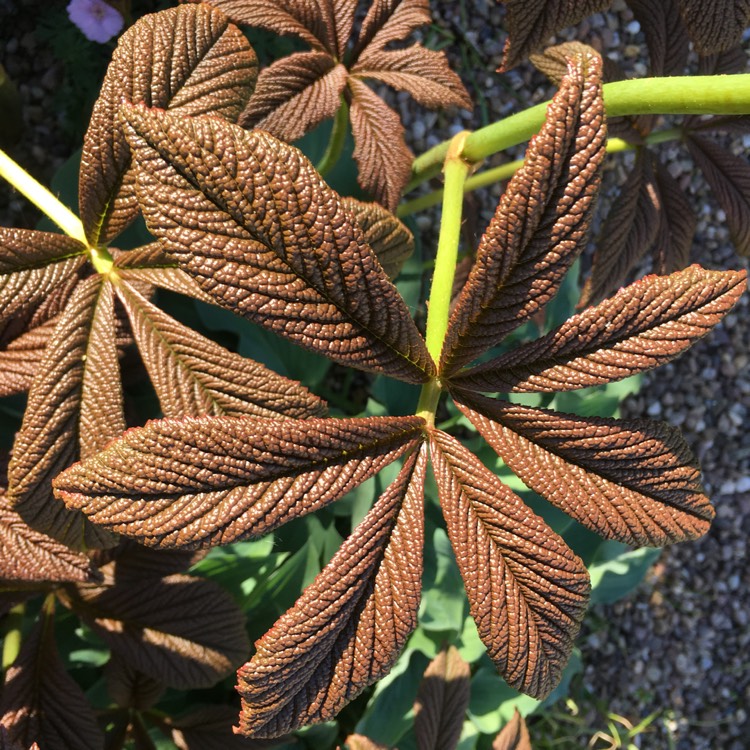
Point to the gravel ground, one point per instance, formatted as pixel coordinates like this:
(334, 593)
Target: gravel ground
(679, 645)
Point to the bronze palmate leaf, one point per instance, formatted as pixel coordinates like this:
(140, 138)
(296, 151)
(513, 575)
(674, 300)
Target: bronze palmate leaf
(241, 212)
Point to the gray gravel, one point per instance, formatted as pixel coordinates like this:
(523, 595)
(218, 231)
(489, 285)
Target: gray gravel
(680, 645)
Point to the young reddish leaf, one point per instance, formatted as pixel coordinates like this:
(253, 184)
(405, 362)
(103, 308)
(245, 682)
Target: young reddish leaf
(210, 728)
(185, 631)
(189, 59)
(643, 326)
(531, 23)
(32, 265)
(28, 555)
(540, 225)
(390, 21)
(514, 735)
(254, 223)
(383, 158)
(676, 226)
(666, 36)
(130, 688)
(349, 626)
(308, 19)
(553, 61)
(631, 480)
(442, 700)
(194, 376)
(295, 94)
(389, 238)
(213, 480)
(628, 233)
(527, 591)
(729, 177)
(21, 359)
(75, 403)
(425, 74)
(719, 29)
(42, 702)
(150, 265)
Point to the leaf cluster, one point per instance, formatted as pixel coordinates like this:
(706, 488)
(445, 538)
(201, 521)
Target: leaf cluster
(105, 520)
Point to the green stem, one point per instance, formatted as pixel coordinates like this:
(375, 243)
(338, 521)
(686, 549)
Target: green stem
(41, 198)
(13, 634)
(506, 171)
(720, 95)
(337, 139)
(456, 171)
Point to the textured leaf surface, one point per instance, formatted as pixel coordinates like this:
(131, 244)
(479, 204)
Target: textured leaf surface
(189, 59)
(643, 326)
(527, 591)
(676, 226)
(383, 158)
(210, 728)
(720, 28)
(349, 626)
(295, 94)
(631, 480)
(21, 359)
(729, 177)
(531, 22)
(181, 630)
(213, 480)
(74, 405)
(629, 231)
(266, 237)
(389, 238)
(425, 74)
(666, 36)
(390, 21)
(540, 225)
(194, 376)
(514, 735)
(32, 264)
(360, 742)
(128, 687)
(442, 700)
(42, 703)
(28, 555)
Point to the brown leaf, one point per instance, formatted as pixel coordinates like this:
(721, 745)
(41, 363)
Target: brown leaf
(643, 326)
(360, 742)
(628, 232)
(425, 74)
(184, 631)
(194, 376)
(390, 21)
(189, 59)
(540, 225)
(527, 591)
(666, 35)
(720, 28)
(28, 555)
(210, 728)
(75, 404)
(514, 735)
(389, 238)
(676, 226)
(349, 626)
(128, 687)
(531, 22)
(42, 702)
(731, 60)
(295, 94)
(442, 700)
(21, 359)
(383, 158)
(32, 265)
(308, 19)
(729, 178)
(272, 242)
(632, 480)
(213, 480)
(553, 61)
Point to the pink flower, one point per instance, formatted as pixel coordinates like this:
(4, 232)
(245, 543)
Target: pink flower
(98, 21)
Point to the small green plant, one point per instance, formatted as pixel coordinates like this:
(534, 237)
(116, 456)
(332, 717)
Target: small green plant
(104, 520)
